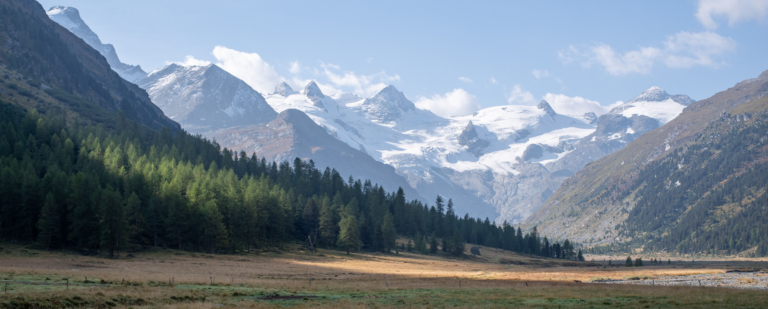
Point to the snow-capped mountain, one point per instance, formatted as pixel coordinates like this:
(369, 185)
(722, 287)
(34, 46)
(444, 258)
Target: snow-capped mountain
(203, 98)
(654, 103)
(69, 18)
(502, 161)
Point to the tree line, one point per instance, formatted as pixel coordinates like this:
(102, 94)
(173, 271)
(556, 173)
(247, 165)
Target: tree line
(110, 190)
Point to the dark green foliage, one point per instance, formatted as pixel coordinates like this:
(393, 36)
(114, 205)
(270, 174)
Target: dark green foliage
(106, 191)
(433, 244)
(707, 197)
(628, 263)
(638, 262)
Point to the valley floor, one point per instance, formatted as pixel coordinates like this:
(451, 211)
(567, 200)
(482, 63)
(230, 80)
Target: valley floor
(291, 277)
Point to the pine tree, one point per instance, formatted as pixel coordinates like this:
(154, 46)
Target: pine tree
(638, 262)
(457, 244)
(113, 225)
(433, 244)
(349, 235)
(628, 263)
(409, 247)
(309, 217)
(49, 223)
(580, 256)
(328, 229)
(389, 232)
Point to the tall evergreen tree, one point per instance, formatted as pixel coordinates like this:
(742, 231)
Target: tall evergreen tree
(49, 223)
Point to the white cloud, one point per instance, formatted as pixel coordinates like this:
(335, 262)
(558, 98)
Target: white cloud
(687, 49)
(455, 103)
(735, 10)
(249, 67)
(681, 50)
(493, 80)
(563, 104)
(191, 61)
(362, 85)
(295, 67)
(540, 73)
(465, 79)
(519, 96)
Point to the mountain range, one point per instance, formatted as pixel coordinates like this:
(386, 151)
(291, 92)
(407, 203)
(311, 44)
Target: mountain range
(656, 187)
(502, 162)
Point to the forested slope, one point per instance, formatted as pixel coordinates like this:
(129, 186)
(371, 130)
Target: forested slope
(592, 206)
(96, 190)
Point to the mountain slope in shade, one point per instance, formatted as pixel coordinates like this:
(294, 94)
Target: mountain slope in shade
(69, 18)
(203, 98)
(293, 134)
(592, 205)
(68, 71)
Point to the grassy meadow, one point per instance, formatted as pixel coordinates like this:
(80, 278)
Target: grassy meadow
(292, 277)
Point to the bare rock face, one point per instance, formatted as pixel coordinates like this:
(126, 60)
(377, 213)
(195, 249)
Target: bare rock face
(312, 91)
(284, 90)
(544, 105)
(469, 138)
(590, 117)
(533, 151)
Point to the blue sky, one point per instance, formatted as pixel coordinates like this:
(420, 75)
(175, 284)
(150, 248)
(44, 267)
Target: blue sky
(452, 57)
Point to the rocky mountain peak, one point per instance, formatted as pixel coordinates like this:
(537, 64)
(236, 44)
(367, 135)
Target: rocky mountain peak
(472, 140)
(656, 94)
(69, 18)
(388, 104)
(468, 134)
(590, 117)
(544, 105)
(284, 89)
(312, 90)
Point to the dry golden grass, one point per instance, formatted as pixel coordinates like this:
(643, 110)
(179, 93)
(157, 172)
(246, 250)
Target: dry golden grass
(491, 280)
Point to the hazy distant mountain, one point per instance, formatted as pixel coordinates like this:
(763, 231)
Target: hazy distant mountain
(203, 98)
(69, 18)
(293, 134)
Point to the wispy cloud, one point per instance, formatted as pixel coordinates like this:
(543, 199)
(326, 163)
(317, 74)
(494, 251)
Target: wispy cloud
(295, 67)
(734, 10)
(682, 50)
(563, 104)
(362, 85)
(540, 73)
(519, 96)
(493, 80)
(465, 79)
(190, 61)
(458, 102)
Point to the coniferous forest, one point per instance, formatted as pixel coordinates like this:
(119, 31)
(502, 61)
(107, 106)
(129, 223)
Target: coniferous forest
(107, 191)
